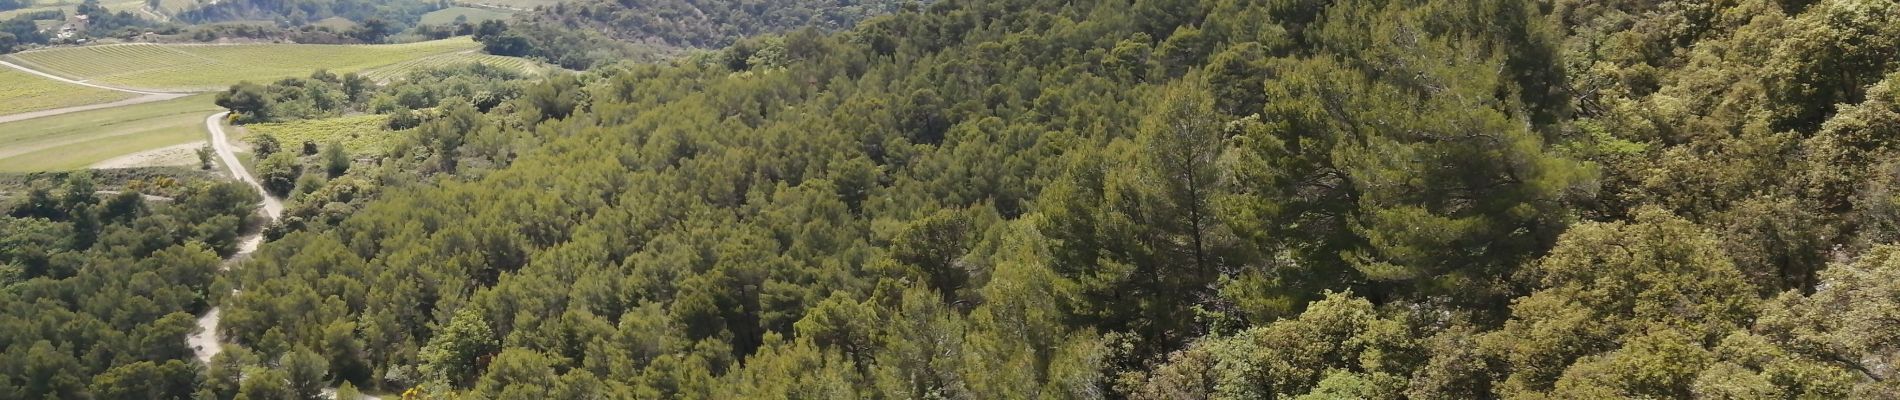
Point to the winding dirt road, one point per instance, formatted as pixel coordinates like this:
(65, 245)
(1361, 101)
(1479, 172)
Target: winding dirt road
(222, 145)
(205, 343)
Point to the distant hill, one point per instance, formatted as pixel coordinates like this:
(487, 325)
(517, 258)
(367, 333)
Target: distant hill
(398, 13)
(578, 33)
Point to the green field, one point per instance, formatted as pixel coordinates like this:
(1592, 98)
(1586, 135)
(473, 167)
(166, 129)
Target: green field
(475, 15)
(211, 67)
(400, 70)
(359, 134)
(76, 140)
(22, 92)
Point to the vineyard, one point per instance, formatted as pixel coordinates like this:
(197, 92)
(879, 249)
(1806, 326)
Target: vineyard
(360, 134)
(402, 69)
(21, 92)
(212, 67)
(72, 141)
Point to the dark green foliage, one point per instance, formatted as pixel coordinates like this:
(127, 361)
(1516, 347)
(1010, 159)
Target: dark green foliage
(335, 160)
(104, 314)
(1078, 199)
(582, 34)
(247, 101)
(328, 95)
(279, 173)
(265, 146)
(375, 19)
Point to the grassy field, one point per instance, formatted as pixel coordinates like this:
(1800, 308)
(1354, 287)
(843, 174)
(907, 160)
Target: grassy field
(212, 67)
(22, 92)
(360, 134)
(76, 140)
(475, 15)
(402, 69)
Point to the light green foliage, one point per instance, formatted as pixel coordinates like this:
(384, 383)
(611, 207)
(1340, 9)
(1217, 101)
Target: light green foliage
(450, 356)
(361, 134)
(1339, 347)
(1659, 286)
(1834, 50)
(347, 391)
(1849, 319)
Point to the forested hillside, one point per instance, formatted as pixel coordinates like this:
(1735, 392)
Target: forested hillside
(1169, 199)
(1106, 199)
(375, 19)
(580, 33)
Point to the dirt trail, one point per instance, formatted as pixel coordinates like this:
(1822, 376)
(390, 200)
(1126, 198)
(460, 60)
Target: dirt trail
(205, 342)
(222, 144)
(144, 96)
(67, 110)
(81, 83)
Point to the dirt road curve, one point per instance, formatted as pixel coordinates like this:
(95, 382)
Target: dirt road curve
(222, 144)
(144, 97)
(63, 79)
(67, 110)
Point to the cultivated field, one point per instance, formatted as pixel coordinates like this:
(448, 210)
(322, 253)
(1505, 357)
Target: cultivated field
(22, 92)
(511, 4)
(361, 134)
(401, 70)
(475, 15)
(194, 67)
(76, 140)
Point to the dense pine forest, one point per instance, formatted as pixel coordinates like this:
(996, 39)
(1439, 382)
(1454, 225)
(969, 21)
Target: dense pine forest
(1038, 199)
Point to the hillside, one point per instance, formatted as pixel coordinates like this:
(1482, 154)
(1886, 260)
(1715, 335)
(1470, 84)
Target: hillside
(1026, 199)
(579, 34)
(1179, 199)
